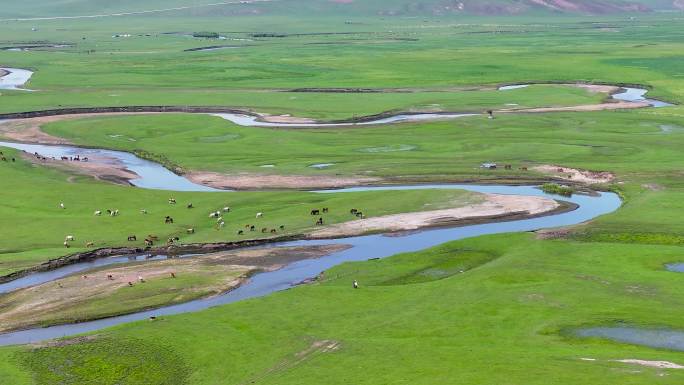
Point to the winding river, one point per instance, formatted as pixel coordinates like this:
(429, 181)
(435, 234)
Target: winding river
(363, 248)
(155, 176)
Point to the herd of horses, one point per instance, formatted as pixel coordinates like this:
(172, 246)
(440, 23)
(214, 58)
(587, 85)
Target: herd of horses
(150, 240)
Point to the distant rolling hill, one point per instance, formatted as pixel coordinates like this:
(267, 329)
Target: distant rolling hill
(52, 8)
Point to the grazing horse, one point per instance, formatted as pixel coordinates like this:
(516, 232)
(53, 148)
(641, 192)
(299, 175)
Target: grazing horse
(132, 238)
(315, 212)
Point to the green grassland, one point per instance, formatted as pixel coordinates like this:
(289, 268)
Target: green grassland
(448, 150)
(151, 67)
(488, 310)
(36, 226)
(505, 311)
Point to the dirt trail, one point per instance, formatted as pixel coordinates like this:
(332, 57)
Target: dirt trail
(494, 205)
(582, 108)
(257, 181)
(76, 297)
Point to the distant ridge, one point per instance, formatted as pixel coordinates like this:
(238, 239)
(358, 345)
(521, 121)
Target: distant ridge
(37, 9)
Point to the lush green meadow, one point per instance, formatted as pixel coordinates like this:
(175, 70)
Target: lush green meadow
(448, 150)
(36, 226)
(488, 310)
(506, 311)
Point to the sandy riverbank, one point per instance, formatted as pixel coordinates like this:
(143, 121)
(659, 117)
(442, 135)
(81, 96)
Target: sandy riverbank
(493, 206)
(80, 297)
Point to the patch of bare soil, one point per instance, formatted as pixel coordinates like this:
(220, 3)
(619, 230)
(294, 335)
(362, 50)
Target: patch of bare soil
(262, 181)
(104, 169)
(554, 233)
(494, 206)
(77, 297)
(653, 187)
(575, 175)
(597, 88)
(652, 364)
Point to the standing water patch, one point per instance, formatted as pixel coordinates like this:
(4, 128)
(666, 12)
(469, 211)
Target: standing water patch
(654, 338)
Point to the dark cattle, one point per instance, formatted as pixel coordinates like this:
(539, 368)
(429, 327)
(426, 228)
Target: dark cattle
(153, 237)
(110, 277)
(316, 212)
(508, 167)
(168, 219)
(319, 222)
(282, 227)
(263, 230)
(173, 275)
(353, 211)
(252, 228)
(148, 242)
(14, 160)
(359, 214)
(130, 284)
(240, 232)
(132, 238)
(273, 231)
(325, 210)
(523, 168)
